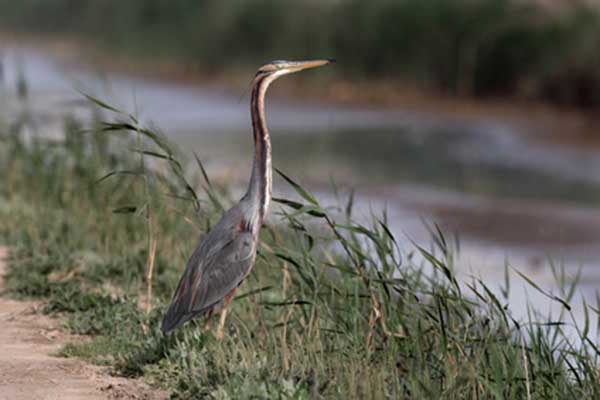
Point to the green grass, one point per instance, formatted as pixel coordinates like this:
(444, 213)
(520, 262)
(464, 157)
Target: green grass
(332, 309)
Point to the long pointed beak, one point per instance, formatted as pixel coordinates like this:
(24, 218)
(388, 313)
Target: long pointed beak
(302, 65)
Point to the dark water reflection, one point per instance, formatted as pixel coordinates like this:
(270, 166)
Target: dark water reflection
(385, 156)
(448, 158)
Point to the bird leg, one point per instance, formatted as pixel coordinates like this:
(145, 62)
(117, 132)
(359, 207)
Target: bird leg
(226, 300)
(208, 319)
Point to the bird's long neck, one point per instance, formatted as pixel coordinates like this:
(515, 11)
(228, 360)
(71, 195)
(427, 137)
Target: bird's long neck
(259, 189)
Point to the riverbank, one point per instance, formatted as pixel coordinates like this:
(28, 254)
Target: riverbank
(336, 306)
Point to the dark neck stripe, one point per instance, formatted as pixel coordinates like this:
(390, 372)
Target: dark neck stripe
(261, 142)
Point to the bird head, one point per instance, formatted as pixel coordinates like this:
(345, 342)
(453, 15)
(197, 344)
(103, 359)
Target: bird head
(279, 68)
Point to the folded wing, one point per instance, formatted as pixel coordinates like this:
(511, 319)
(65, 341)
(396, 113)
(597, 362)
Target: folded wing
(218, 266)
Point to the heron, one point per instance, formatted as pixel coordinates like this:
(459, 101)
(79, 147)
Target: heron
(225, 256)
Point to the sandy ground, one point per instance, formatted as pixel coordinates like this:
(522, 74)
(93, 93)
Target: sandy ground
(28, 369)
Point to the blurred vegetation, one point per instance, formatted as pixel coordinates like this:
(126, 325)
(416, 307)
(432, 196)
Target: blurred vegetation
(334, 307)
(459, 47)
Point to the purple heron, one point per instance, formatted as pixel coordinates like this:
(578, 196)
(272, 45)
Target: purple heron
(225, 256)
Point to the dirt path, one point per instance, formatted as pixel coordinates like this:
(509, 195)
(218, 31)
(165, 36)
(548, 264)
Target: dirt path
(28, 370)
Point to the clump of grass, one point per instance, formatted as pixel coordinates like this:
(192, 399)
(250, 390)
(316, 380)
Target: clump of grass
(334, 308)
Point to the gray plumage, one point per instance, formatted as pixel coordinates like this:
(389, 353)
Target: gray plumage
(221, 261)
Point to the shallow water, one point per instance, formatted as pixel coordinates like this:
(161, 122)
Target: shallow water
(504, 196)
